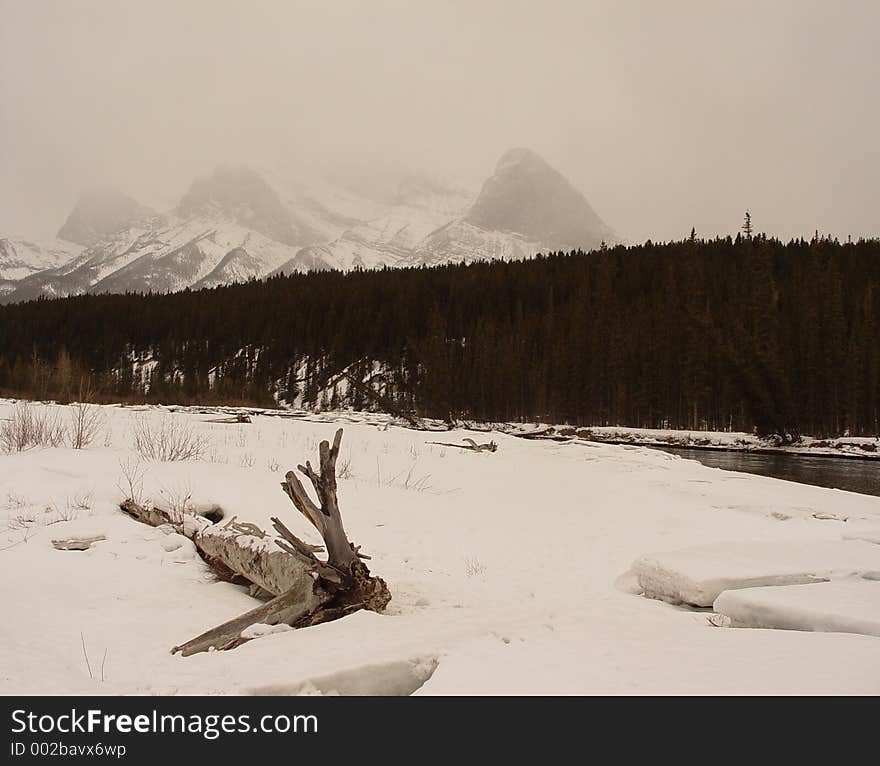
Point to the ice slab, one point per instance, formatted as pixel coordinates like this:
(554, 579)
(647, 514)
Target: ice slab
(698, 575)
(842, 606)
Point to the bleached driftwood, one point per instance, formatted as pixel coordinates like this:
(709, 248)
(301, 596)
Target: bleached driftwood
(77, 543)
(471, 445)
(250, 554)
(240, 417)
(306, 589)
(322, 590)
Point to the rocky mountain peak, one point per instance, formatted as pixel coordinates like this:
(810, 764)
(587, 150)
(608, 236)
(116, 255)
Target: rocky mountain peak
(99, 213)
(242, 195)
(527, 196)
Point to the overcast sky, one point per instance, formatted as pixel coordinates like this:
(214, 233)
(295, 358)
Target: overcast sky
(666, 114)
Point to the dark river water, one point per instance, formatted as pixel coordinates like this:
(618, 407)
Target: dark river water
(852, 475)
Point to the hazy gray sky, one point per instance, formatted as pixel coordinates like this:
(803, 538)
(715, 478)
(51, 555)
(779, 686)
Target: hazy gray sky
(665, 114)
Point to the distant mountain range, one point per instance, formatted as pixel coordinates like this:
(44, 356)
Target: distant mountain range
(238, 223)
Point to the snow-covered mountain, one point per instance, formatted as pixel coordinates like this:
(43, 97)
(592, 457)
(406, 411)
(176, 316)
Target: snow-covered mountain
(171, 255)
(239, 223)
(524, 208)
(19, 258)
(390, 239)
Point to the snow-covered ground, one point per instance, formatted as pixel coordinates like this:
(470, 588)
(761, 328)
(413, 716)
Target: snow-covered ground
(511, 572)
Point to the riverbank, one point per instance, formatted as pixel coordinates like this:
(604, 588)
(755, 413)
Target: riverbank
(851, 447)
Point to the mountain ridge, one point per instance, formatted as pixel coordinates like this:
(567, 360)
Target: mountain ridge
(234, 224)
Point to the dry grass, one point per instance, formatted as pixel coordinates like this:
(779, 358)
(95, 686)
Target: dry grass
(167, 439)
(343, 470)
(32, 426)
(473, 567)
(247, 460)
(407, 480)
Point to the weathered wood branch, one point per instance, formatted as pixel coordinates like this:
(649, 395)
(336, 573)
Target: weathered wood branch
(77, 543)
(240, 417)
(470, 444)
(306, 590)
(155, 517)
(300, 498)
(289, 608)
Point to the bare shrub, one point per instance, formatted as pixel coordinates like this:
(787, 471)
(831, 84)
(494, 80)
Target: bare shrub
(86, 422)
(247, 460)
(16, 501)
(51, 514)
(81, 501)
(177, 502)
(131, 485)
(417, 483)
(167, 439)
(68, 513)
(473, 567)
(344, 471)
(32, 426)
(408, 480)
(21, 521)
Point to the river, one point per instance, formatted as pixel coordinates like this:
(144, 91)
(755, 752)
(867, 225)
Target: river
(853, 475)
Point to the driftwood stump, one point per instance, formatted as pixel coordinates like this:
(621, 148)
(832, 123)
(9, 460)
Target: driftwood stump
(315, 591)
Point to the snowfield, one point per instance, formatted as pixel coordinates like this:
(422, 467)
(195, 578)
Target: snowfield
(512, 572)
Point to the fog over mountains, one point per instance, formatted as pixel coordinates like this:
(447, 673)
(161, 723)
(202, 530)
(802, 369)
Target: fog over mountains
(240, 222)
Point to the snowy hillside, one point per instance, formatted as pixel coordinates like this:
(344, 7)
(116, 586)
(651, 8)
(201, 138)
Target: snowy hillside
(462, 242)
(20, 258)
(516, 572)
(387, 241)
(172, 255)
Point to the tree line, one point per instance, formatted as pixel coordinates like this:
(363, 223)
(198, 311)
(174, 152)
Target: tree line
(722, 334)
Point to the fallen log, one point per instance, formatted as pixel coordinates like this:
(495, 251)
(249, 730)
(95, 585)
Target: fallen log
(306, 590)
(471, 445)
(323, 590)
(250, 554)
(236, 552)
(239, 418)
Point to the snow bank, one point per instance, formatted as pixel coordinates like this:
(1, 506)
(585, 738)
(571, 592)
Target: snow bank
(398, 678)
(698, 575)
(844, 606)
